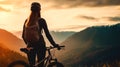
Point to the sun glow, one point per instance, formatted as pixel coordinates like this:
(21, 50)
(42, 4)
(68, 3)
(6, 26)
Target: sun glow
(1, 0)
(9, 7)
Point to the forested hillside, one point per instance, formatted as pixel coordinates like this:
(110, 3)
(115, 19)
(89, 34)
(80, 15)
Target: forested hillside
(7, 56)
(92, 45)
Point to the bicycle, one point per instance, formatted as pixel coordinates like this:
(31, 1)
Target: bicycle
(49, 60)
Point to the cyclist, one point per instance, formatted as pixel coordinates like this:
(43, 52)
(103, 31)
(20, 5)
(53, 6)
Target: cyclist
(38, 44)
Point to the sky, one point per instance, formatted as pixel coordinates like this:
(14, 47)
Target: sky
(60, 15)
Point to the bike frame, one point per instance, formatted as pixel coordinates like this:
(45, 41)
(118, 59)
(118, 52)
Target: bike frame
(47, 59)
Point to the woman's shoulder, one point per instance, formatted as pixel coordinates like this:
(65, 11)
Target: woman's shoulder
(42, 21)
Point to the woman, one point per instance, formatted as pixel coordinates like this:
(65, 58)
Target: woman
(39, 46)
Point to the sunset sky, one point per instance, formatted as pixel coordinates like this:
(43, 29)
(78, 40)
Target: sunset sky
(61, 15)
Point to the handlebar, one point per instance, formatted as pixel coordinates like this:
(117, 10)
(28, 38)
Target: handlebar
(48, 48)
(25, 50)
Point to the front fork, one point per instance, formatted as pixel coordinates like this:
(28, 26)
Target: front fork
(52, 60)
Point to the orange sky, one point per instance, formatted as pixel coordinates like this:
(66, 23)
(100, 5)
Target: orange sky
(59, 17)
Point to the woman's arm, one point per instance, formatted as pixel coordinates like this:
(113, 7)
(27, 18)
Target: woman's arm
(47, 33)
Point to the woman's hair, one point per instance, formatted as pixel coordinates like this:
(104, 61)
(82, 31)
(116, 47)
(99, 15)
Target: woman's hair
(35, 14)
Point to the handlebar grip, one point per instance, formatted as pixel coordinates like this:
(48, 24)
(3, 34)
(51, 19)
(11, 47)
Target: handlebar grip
(62, 46)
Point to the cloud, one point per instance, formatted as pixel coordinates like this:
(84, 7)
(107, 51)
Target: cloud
(76, 3)
(117, 18)
(87, 17)
(62, 3)
(72, 27)
(14, 3)
(5, 10)
(76, 26)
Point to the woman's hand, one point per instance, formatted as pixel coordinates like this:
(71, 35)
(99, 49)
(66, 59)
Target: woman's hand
(58, 47)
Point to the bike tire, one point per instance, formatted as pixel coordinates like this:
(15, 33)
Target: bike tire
(19, 62)
(55, 64)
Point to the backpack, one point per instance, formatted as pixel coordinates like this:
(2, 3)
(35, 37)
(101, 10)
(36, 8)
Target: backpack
(31, 33)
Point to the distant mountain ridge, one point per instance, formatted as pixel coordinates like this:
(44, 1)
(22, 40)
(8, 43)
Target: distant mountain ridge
(60, 36)
(91, 39)
(10, 41)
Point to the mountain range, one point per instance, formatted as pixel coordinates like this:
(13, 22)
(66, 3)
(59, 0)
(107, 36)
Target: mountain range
(91, 44)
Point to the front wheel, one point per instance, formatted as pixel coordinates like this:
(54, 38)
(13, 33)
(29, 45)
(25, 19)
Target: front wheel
(18, 63)
(55, 64)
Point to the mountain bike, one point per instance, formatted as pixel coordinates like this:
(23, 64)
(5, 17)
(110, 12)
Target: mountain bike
(49, 61)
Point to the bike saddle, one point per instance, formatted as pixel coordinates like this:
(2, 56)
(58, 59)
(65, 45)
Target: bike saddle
(25, 50)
